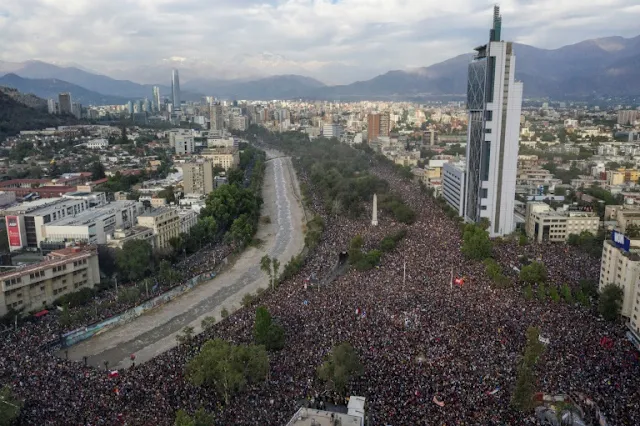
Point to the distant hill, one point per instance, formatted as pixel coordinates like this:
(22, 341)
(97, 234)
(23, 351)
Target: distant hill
(604, 67)
(275, 87)
(15, 117)
(49, 88)
(607, 66)
(27, 99)
(93, 82)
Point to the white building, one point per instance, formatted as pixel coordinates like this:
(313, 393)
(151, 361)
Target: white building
(542, 223)
(184, 144)
(453, 181)
(332, 130)
(188, 219)
(90, 227)
(494, 101)
(97, 144)
(621, 267)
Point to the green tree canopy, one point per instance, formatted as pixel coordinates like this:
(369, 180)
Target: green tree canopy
(476, 243)
(266, 332)
(10, 406)
(227, 367)
(610, 302)
(342, 365)
(200, 418)
(134, 260)
(534, 273)
(97, 171)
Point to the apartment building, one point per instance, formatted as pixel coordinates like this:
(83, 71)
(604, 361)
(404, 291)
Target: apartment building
(620, 265)
(545, 224)
(36, 286)
(226, 158)
(121, 236)
(198, 177)
(165, 223)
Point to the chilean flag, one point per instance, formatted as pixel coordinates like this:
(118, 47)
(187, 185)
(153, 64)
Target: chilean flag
(114, 373)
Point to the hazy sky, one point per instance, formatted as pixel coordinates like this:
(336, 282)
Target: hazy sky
(336, 41)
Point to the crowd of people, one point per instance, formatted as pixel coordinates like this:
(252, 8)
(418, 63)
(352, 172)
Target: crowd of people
(433, 354)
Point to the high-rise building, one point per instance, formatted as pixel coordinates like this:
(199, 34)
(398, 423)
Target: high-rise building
(378, 125)
(494, 102)
(175, 89)
(217, 120)
(156, 98)
(64, 103)
(52, 107)
(198, 177)
(76, 110)
(130, 107)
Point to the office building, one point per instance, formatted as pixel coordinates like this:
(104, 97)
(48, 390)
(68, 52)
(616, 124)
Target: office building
(165, 223)
(198, 177)
(332, 130)
(216, 118)
(543, 224)
(188, 219)
(64, 103)
(620, 266)
(156, 98)
(52, 106)
(25, 222)
(76, 110)
(494, 102)
(378, 125)
(184, 144)
(175, 90)
(63, 271)
(453, 181)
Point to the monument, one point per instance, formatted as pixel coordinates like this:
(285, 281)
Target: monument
(374, 217)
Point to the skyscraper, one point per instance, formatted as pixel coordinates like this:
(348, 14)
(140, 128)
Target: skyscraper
(378, 125)
(156, 98)
(494, 102)
(216, 118)
(64, 103)
(175, 89)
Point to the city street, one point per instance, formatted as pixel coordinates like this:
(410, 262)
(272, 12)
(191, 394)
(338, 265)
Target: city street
(155, 332)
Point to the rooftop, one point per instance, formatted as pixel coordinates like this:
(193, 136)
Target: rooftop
(85, 218)
(58, 257)
(312, 417)
(155, 212)
(29, 206)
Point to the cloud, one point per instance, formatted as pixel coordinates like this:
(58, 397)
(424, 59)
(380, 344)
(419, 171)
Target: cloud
(336, 41)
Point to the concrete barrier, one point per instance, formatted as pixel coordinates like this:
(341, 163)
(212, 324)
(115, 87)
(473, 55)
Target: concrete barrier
(76, 336)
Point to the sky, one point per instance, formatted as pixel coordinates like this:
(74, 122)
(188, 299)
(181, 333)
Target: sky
(335, 41)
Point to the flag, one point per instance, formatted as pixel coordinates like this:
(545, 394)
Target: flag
(493, 392)
(458, 281)
(114, 373)
(437, 401)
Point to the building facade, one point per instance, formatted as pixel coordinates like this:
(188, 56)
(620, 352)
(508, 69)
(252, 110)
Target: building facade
(165, 223)
(198, 177)
(184, 144)
(542, 223)
(453, 181)
(226, 158)
(64, 103)
(37, 286)
(494, 102)
(378, 125)
(175, 90)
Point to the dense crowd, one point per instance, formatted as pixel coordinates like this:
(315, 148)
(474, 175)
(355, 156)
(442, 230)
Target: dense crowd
(417, 336)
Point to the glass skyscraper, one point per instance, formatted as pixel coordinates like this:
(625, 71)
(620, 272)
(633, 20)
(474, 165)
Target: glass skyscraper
(175, 90)
(494, 103)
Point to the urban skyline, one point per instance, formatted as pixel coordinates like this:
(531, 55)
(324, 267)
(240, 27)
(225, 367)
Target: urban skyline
(337, 41)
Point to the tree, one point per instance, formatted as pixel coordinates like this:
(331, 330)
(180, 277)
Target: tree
(522, 397)
(271, 266)
(355, 249)
(228, 367)
(342, 365)
(134, 260)
(534, 273)
(566, 293)
(528, 292)
(200, 418)
(97, 171)
(168, 194)
(610, 302)
(266, 332)
(10, 406)
(553, 293)
(541, 292)
(207, 323)
(224, 313)
(186, 335)
(476, 243)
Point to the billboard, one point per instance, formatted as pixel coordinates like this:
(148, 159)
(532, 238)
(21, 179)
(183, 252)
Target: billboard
(620, 240)
(13, 231)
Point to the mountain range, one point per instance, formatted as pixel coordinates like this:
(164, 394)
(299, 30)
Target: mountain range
(602, 67)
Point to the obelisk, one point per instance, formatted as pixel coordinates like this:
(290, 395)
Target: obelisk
(374, 217)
